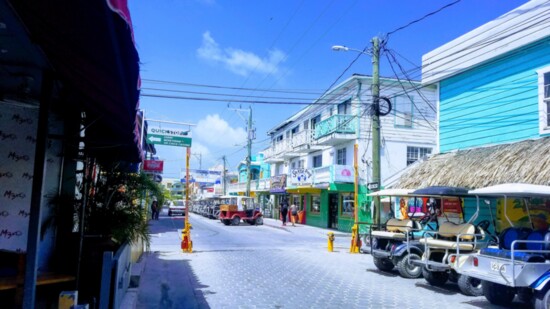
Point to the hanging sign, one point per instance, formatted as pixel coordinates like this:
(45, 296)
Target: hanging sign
(169, 137)
(156, 166)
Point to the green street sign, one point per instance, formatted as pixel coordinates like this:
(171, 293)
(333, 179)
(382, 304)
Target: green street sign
(169, 140)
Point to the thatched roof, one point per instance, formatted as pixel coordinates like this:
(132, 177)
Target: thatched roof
(526, 161)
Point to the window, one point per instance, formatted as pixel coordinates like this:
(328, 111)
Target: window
(301, 164)
(403, 111)
(293, 165)
(315, 206)
(344, 108)
(341, 156)
(544, 100)
(315, 121)
(416, 153)
(295, 130)
(279, 138)
(306, 124)
(318, 161)
(348, 205)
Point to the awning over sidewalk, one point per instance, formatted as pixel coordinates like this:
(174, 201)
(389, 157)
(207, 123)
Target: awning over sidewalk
(90, 47)
(522, 162)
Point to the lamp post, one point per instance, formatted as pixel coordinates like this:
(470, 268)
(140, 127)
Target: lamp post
(375, 116)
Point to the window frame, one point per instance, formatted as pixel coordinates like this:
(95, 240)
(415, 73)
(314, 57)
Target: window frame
(341, 156)
(544, 102)
(349, 198)
(396, 111)
(420, 153)
(315, 159)
(311, 204)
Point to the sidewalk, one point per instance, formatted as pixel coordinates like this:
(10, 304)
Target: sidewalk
(188, 290)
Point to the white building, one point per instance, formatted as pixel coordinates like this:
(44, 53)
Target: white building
(312, 152)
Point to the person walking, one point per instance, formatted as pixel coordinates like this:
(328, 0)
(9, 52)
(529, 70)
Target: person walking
(155, 210)
(284, 211)
(293, 214)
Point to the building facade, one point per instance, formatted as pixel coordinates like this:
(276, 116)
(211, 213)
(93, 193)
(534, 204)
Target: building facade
(493, 93)
(312, 152)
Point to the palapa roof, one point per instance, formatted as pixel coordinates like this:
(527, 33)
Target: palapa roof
(522, 162)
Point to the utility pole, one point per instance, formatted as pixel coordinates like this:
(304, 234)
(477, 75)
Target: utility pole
(199, 156)
(224, 176)
(375, 121)
(249, 149)
(251, 135)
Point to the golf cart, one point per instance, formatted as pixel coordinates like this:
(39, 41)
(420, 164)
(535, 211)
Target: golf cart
(455, 237)
(520, 263)
(397, 243)
(233, 209)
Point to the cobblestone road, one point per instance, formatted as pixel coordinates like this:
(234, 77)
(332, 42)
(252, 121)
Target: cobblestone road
(271, 267)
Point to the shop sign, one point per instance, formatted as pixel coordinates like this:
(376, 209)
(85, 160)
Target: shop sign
(343, 173)
(300, 177)
(155, 166)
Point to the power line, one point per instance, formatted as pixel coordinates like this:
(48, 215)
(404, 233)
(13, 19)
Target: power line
(296, 91)
(422, 18)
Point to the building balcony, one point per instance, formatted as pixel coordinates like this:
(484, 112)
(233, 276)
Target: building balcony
(321, 176)
(336, 129)
(255, 185)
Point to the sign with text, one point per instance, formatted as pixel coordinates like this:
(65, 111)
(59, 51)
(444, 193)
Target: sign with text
(169, 137)
(156, 166)
(300, 177)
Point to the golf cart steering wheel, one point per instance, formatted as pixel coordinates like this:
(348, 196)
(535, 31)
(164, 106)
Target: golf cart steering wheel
(484, 225)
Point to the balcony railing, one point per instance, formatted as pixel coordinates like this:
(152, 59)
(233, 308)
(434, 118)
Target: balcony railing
(335, 124)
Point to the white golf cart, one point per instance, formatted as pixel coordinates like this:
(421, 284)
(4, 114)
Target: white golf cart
(520, 264)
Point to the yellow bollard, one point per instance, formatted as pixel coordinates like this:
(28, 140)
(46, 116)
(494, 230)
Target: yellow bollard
(186, 243)
(355, 240)
(330, 242)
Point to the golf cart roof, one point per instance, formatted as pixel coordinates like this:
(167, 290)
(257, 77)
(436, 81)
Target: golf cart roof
(513, 189)
(441, 190)
(391, 192)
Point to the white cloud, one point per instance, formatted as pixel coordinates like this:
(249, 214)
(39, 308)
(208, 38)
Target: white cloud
(237, 60)
(214, 131)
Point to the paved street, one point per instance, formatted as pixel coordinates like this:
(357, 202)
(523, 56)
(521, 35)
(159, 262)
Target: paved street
(274, 267)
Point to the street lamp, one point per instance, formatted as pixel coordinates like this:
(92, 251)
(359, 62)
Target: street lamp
(345, 48)
(375, 116)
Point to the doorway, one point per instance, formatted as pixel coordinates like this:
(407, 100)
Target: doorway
(333, 211)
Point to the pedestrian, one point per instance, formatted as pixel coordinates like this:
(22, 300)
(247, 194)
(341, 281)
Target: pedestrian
(155, 210)
(284, 211)
(293, 214)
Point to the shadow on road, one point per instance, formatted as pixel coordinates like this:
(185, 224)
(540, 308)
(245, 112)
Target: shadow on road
(157, 288)
(383, 273)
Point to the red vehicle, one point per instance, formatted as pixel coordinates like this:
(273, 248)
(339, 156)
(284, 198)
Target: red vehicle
(233, 209)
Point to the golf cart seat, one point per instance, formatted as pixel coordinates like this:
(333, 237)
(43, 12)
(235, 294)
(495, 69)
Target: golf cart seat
(451, 231)
(396, 229)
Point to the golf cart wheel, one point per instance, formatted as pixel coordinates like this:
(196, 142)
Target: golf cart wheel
(470, 286)
(226, 221)
(259, 221)
(542, 299)
(435, 278)
(235, 221)
(498, 294)
(384, 264)
(169, 213)
(407, 269)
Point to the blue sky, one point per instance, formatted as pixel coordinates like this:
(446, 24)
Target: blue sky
(278, 51)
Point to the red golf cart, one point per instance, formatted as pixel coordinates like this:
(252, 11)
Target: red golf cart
(233, 209)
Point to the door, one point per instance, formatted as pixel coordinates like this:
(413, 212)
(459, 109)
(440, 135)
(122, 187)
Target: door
(333, 211)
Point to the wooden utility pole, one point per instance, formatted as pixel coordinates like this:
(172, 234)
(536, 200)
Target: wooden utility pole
(375, 121)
